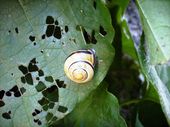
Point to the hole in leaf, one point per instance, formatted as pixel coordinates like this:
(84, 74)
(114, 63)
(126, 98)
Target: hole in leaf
(57, 32)
(35, 120)
(9, 31)
(51, 105)
(2, 92)
(16, 30)
(35, 43)
(32, 38)
(78, 28)
(23, 69)
(102, 31)
(49, 20)
(41, 86)
(93, 39)
(51, 93)
(23, 90)
(42, 51)
(39, 122)
(33, 61)
(62, 109)
(32, 67)
(43, 101)
(89, 39)
(1, 103)
(37, 111)
(40, 73)
(66, 29)
(23, 79)
(72, 39)
(86, 36)
(29, 79)
(60, 83)
(45, 107)
(37, 78)
(14, 89)
(49, 79)
(8, 93)
(94, 4)
(6, 115)
(49, 116)
(17, 94)
(54, 118)
(43, 36)
(34, 114)
(56, 22)
(50, 30)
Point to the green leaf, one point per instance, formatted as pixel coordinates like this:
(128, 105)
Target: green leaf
(158, 76)
(127, 42)
(155, 20)
(121, 3)
(138, 123)
(99, 109)
(35, 39)
(151, 94)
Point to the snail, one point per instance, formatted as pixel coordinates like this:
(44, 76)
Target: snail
(79, 65)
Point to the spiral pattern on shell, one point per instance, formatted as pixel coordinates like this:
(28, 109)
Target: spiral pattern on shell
(79, 65)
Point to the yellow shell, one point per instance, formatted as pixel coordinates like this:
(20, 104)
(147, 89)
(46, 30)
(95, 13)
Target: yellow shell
(79, 66)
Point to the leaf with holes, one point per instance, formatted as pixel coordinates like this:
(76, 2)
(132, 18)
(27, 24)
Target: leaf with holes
(35, 39)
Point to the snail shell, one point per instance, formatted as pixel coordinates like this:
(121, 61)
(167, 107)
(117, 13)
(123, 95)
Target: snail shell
(79, 65)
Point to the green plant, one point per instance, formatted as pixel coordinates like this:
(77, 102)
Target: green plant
(131, 76)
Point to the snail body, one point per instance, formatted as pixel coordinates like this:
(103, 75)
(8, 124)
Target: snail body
(79, 65)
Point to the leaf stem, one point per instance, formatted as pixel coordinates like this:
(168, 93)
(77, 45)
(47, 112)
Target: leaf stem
(134, 101)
